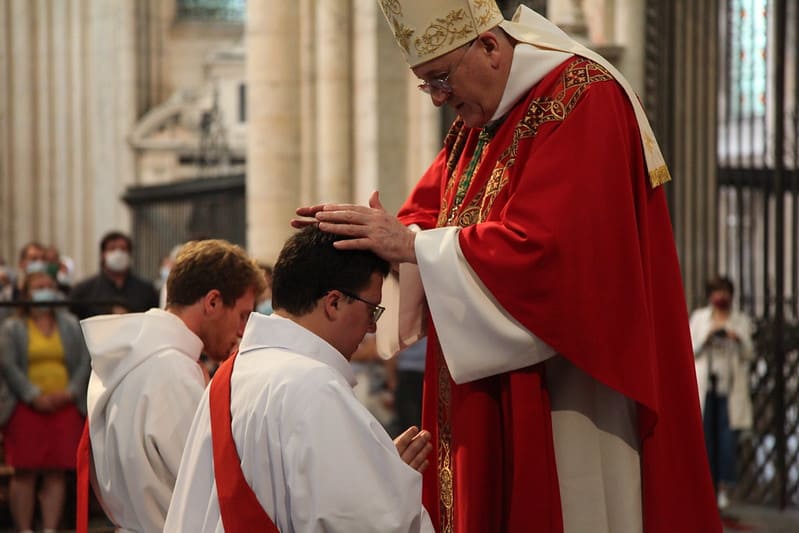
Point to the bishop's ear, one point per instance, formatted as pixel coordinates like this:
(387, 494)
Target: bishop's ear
(488, 41)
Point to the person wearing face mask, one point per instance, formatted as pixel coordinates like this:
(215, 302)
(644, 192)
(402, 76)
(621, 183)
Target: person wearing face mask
(115, 289)
(45, 363)
(58, 269)
(722, 340)
(31, 253)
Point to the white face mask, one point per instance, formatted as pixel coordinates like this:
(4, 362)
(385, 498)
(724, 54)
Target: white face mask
(117, 260)
(45, 295)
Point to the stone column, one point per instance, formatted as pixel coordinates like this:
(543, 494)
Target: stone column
(394, 124)
(6, 234)
(43, 171)
(21, 122)
(333, 97)
(424, 132)
(112, 110)
(273, 132)
(59, 129)
(569, 15)
(76, 84)
(308, 186)
(629, 26)
(111, 66)
(365, 94)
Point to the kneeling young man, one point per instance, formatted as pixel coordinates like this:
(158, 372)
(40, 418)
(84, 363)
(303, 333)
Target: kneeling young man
(279, 438)
(146, 381)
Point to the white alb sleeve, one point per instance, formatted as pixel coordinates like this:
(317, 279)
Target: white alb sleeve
(479, 338)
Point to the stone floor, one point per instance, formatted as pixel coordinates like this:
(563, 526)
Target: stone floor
(758, 519)
(738, 517)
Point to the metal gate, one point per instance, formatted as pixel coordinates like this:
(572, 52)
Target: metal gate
(722, 92)
(167, 215)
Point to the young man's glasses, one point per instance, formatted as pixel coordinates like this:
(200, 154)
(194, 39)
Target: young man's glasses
(377, 310)
(441, 83)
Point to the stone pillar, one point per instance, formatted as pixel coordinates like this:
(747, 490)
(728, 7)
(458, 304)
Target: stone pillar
(333, 97)
(6, 234)
(569, 15)
(629, 27)
(63, 232)
(308, 185)
(79, 166)
(21, 122)
(394, 124)
(43, 172)
(273, 135)
(424, 132)
(365, 94)
(112, 113)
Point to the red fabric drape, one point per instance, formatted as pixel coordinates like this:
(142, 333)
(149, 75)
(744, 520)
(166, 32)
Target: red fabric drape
(83, 462)
(240, 510)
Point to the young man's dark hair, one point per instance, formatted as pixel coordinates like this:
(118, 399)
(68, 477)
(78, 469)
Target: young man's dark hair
(309, 266)
(719, 283)
(112, 236)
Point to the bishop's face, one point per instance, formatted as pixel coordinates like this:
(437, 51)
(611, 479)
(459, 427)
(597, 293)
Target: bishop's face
(466, 79)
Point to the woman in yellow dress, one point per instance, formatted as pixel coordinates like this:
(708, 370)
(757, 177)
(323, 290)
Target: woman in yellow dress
(44, 361)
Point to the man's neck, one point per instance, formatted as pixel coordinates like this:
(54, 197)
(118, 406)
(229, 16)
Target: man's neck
(313, 323)
(191, 315)
(720, 314)
(117, 277)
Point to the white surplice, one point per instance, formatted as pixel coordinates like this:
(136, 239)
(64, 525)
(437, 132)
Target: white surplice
(315, 458)
(144, 388)
(594, 427)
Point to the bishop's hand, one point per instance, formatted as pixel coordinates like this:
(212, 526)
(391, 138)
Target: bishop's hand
(369, 228)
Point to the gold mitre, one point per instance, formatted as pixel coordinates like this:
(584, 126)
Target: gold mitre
(427, 29)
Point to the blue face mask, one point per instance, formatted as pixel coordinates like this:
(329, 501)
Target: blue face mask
(45, 295)
(265, 307)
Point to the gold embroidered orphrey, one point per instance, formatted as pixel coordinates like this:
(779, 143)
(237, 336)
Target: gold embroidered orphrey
(578, 75)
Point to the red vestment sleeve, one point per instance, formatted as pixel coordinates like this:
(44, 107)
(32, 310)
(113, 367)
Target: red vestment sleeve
(422, 206)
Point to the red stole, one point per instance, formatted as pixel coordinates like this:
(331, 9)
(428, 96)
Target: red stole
(560, 224)
(240, 510)
(83, 467)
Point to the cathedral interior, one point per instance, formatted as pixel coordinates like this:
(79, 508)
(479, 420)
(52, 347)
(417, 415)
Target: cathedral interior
(173, 119)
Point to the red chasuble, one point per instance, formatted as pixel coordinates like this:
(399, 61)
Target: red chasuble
(561, 225)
